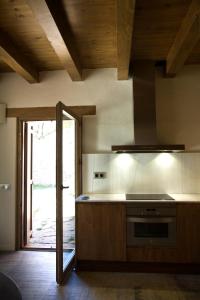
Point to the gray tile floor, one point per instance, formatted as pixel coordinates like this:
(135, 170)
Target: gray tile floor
(34, 273)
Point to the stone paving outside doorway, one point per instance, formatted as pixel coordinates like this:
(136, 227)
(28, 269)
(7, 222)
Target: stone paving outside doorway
(44, 219)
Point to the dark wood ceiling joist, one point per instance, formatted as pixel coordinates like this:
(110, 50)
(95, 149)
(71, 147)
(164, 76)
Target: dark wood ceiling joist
(10, 54)
(185, 40)
(51, 18)
(93, 25)
(125, 21)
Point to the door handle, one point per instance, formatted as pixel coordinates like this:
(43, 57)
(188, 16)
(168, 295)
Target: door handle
(64, 187)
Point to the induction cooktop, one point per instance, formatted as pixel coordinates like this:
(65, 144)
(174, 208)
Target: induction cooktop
(148, 197)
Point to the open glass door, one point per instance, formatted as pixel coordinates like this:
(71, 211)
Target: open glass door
(67, 187)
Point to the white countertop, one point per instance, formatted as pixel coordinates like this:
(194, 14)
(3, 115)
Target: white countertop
(121, 198)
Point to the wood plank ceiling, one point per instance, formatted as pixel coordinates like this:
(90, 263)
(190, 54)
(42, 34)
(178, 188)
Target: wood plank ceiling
(99, 30)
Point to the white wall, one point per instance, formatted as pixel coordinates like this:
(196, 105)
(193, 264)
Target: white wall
(142, 173)
(178, 118)
(7, 175)
(178, 107)
(113, 123)
(113, 99)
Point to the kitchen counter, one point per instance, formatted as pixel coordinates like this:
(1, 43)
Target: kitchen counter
(104, 222)
(121, 198)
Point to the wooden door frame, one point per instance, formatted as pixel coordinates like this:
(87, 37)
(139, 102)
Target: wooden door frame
(27, 171)
(37, 115)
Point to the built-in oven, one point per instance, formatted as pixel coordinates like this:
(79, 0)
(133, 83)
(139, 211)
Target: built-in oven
(151, 224)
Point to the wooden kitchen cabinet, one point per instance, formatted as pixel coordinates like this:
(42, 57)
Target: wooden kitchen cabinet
(188, 232)
(101, 235)
(187, 249)
(101, 231)
(152, 254)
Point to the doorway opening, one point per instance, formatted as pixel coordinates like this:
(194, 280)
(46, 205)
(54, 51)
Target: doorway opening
(39, 186)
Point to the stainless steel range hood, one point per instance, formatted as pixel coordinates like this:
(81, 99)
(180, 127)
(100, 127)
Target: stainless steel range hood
(145, 113)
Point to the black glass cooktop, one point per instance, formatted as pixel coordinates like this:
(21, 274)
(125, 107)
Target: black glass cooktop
(148, 197)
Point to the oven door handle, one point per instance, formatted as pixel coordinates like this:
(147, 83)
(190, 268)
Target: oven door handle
(150, 220)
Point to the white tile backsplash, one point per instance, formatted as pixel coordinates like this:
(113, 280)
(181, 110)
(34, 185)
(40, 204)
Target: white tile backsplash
(142, 173)
(191, 173)
(87, 172)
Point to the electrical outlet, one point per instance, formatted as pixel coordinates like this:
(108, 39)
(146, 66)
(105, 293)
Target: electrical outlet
(102, 175)
(4, 186)
(99, 175)
(96, 175)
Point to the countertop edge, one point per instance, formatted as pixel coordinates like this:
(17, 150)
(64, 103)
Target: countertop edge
(120, 198)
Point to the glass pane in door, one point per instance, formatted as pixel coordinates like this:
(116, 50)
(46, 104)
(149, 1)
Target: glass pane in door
(68, 196)
(67, 134)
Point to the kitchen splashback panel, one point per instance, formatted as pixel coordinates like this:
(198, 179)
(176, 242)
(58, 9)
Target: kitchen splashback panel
(142, 173)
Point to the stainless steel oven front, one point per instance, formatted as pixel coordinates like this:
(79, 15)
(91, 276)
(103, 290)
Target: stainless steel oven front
(150, 224)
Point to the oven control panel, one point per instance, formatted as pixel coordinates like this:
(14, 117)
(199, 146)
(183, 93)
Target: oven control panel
(151, 211)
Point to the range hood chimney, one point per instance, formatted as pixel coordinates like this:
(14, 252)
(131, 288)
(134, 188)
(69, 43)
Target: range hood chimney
(145, 113)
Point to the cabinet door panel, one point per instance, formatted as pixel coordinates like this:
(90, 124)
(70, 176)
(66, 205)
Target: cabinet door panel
(188, 232)
(152, 254)
(101, 230)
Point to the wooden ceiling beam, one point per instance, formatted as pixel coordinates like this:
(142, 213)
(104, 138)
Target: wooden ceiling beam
(10, 54)
(125, 20)
(50, 15)
(185, 40)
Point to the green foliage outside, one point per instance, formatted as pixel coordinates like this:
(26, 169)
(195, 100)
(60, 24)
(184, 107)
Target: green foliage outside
(43, 186)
